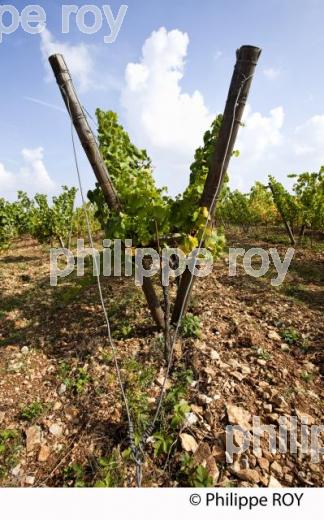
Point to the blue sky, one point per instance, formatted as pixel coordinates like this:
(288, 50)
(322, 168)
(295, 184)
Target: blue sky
(167, 94)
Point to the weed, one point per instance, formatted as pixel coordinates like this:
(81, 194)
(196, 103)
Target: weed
(173, 413)
(81, 379)
(194, 474)
(307, 377)
(144, 376)
(139, 378)
(110, 471)
(162, 443)
(107, 357)
(190, 326)
(64, 370)
(170, 423)
(201, 478)
(74, 475)
(290, 336)
(179, 414)
(75, 380)
(32, 411)
(182, 380)
(10, 445)
(263, 354)
(124, 331)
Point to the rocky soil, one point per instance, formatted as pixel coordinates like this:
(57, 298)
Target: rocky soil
(259, 354)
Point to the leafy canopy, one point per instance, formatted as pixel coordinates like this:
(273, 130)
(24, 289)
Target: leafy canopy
(37, 217)
(144, 205)
(131, 171)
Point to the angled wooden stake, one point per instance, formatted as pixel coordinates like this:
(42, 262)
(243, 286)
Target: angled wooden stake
(246, 61)
(82, 127)
(87, 139)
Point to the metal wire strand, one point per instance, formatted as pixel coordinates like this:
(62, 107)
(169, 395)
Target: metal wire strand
(150, 429)
(137, 457)
(138, 453)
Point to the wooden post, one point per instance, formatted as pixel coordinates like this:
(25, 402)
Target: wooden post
(283, 216)
(81, 125)
(246, 61)
(87, 139)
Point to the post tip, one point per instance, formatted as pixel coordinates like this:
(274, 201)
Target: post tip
(249, 52)
(56, 57)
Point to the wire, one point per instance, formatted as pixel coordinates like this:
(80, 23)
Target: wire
(150, 429)
(138, 453)
(94, 122)
(134, 449)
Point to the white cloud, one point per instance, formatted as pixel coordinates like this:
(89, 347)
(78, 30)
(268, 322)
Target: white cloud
(260, 132)
(268, 148)
(170, 123)
(259, 142)
(32, 176)
(271, 73)
(161, 117)
(309, 137)
(79, 59)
